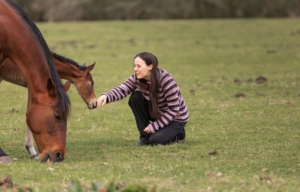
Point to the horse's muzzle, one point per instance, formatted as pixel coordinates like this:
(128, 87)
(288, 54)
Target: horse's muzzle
(93, 105)
(53, 157)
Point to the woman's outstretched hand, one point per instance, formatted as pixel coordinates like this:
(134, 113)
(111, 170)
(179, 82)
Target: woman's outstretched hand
(101, 100)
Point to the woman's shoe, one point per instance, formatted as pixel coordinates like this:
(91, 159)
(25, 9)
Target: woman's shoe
(180, 140)
(141, 143)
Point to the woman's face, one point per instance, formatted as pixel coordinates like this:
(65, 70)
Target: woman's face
(141, 69)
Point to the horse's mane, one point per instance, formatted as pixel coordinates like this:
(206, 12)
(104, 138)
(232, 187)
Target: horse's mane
(65, 59)
(64, 99)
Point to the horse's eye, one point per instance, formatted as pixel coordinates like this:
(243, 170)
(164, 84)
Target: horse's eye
(57, 116)
(92, 83)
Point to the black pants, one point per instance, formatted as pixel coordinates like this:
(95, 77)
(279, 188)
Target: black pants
(167, 135)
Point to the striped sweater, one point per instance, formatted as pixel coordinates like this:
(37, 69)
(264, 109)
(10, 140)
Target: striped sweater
(170, 101)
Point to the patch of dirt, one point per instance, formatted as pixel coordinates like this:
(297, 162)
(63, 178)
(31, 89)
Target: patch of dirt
(261, 79)
(6, 184)
(237, 81)
(213, 152)
(239, 95)
(192, 91)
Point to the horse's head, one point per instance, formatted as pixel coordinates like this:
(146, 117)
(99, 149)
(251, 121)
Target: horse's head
(84, 85)
(47, 119)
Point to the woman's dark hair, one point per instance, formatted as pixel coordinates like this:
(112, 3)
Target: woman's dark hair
(149, 59)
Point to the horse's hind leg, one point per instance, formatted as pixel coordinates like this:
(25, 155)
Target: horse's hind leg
(29, 138)
(4, 157)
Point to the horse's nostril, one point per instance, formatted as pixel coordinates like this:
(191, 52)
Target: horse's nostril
(93, 106)
(59, 156)
(45, 158)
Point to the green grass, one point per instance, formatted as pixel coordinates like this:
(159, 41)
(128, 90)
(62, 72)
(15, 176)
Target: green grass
(256, 137)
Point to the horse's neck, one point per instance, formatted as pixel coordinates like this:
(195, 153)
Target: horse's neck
(67, 70)
(31, 61)
(11, 73)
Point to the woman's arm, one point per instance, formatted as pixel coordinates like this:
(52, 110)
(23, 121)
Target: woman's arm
(119, 92)
(172, 100)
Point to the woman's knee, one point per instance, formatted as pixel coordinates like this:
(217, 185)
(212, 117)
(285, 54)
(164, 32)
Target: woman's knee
(135, 96)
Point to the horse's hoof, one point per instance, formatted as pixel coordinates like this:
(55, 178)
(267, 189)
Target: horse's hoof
(5, 159)
(35, 157)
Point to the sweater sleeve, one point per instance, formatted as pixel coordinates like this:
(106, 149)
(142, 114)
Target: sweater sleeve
(122, 90)
(171, 94)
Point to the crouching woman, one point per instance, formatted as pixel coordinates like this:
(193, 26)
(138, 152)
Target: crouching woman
(156, 102)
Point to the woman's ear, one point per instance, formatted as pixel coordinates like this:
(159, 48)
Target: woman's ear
(150, 67)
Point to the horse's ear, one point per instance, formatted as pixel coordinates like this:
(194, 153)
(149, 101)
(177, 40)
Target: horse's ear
(67, 85)
(51, 88)
(90, 67)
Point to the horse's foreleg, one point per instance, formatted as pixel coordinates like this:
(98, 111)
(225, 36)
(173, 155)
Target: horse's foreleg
(29, 144)
(29, 138)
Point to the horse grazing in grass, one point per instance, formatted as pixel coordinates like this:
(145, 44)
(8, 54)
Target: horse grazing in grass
(48, 104)
(67, 69)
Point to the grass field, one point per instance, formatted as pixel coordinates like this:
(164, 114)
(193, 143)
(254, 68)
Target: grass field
(256, 136)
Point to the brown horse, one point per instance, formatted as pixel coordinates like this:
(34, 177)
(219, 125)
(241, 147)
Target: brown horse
(49, 105)
(68, 69)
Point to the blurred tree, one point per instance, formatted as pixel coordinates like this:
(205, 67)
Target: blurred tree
(69, 10)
